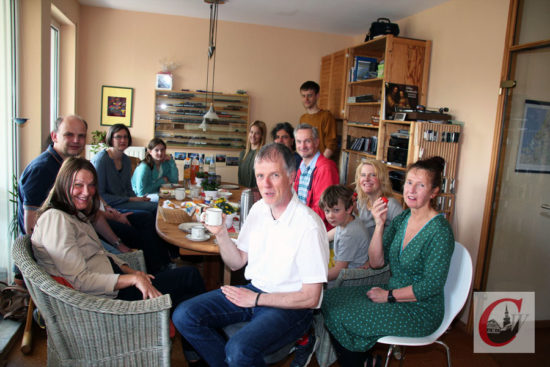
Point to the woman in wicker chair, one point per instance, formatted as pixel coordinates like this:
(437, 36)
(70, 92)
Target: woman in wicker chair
(67, 247)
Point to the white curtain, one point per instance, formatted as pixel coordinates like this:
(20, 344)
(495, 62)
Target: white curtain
(8, 135)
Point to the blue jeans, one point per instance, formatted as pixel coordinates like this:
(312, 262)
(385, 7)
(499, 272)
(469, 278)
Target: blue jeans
(148, 206)
(200, 319)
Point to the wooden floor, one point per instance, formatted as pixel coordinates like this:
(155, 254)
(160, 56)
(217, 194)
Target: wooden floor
(460, 343)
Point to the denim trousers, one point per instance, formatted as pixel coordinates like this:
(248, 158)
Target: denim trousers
(201, 319)
(148, 206)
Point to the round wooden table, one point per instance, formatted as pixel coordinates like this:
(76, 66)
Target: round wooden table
(171, 234)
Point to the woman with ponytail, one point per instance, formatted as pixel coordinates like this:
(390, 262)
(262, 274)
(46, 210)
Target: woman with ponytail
(156, 169)
(418, 245)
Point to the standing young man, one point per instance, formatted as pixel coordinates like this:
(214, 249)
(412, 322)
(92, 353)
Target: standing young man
(318, 118)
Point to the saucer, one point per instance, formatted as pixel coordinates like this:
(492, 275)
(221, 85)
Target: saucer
(205, 238)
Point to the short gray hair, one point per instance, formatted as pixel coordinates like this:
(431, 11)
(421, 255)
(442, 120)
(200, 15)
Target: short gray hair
(305, 126)
(272, 152)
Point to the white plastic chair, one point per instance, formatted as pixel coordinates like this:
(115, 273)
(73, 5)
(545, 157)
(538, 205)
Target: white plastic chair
(456, 292)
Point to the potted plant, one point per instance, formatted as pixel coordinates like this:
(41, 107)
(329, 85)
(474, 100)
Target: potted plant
(98, 142)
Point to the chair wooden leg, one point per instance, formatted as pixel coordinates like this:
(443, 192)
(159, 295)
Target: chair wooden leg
(448, 352)
(26, 343)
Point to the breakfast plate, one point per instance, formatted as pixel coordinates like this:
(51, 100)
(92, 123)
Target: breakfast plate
(229, 187)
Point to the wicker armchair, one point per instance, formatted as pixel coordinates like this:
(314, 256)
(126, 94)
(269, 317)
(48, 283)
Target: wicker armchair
(85, 330)
(325, 353)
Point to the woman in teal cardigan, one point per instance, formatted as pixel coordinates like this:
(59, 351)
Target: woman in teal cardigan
(156, 169)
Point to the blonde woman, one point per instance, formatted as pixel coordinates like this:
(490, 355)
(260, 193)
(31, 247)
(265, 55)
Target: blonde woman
(372, 182)
(256, 140)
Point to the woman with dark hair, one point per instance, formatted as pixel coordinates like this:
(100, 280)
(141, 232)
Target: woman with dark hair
(73, 250)
(283, 133)
(418, 245)
(256, 140)
(114, 170)
(156, 169)
(66, 245)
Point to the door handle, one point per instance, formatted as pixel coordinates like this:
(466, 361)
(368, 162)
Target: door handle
(545, 206)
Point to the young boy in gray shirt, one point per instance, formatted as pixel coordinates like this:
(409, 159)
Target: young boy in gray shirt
(351, 238)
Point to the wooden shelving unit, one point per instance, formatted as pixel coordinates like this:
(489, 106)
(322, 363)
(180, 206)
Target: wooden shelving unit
(178, 115)
(407, 62)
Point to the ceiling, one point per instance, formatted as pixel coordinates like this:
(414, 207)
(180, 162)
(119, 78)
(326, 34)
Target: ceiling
(350, 17)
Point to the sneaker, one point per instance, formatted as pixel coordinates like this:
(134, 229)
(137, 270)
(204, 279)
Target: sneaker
(304, 352)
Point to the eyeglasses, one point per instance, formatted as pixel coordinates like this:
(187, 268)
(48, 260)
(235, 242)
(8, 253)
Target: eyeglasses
(121, 137)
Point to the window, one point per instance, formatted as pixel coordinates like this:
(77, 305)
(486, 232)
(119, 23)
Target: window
(54, 75)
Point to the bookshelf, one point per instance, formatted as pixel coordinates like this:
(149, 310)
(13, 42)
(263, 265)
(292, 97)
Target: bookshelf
(399, 143)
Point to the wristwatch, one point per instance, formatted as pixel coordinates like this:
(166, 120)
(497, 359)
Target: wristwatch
(117, 242)
(391, 298)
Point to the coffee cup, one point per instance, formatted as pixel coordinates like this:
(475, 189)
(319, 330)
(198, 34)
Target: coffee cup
(212, 217)
(180, 193)
(197, 232)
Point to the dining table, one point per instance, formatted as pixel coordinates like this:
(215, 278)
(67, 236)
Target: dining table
(169, 231)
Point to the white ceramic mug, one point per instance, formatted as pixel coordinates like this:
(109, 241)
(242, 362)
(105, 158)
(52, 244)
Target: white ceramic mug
(180, 193)
(212, 216)
(197, 232)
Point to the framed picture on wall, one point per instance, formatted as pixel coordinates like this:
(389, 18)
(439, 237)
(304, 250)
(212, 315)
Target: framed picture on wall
(164, 81)
(533, 154)
(116, 105)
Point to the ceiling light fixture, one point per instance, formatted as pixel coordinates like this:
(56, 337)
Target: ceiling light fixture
(212, 38)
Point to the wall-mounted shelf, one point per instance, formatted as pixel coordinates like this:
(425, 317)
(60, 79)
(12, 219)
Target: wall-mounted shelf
(178, 115)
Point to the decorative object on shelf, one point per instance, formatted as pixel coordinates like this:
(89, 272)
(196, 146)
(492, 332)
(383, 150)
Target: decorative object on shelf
(212, 39)
(165, 78)
(381, 27)
(400, 96)
(116, 105)
(164, 81)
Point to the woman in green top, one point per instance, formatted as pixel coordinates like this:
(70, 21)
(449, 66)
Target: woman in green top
(418, 245)
(256, 140)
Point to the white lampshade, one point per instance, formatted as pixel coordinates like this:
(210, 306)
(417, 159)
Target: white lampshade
(211, 114)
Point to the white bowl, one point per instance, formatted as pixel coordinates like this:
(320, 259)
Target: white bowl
(213, 194)
(224, 194)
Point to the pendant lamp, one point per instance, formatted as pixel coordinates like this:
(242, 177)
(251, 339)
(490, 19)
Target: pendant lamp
(212, 37)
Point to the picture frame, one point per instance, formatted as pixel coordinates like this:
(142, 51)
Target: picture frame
(400, 116)
(164, 81)
(533, 155)
(116, 105)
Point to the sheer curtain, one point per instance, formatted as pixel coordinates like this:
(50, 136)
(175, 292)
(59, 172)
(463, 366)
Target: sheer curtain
(8, 135)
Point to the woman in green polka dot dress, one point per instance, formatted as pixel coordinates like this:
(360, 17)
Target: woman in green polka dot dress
(418, 245)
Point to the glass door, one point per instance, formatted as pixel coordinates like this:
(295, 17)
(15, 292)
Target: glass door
(519, 238)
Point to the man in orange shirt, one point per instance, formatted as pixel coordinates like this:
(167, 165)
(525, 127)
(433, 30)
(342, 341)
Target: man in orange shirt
(321, 119)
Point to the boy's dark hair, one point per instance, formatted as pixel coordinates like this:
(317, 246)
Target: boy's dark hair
(333, 193)
(310, 84)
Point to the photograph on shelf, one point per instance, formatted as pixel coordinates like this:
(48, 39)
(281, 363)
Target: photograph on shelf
(232, 161)
(220, 159)
(164, 81)
(116, 105)
(400, 97)
(533, 152)
(180, 156)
